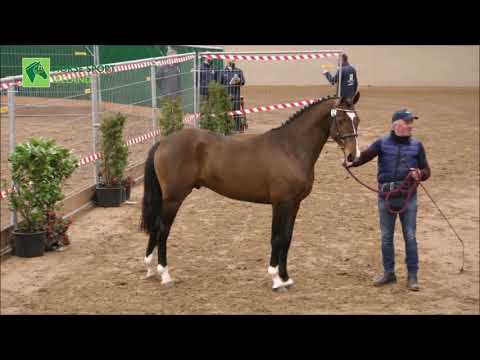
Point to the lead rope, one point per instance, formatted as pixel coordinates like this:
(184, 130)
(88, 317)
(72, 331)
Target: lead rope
(446, 219)
(403, 188)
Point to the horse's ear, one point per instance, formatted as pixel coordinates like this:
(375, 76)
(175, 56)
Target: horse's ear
(356, 97)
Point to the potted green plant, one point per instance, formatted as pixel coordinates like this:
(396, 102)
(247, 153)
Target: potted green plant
(39, 169)
(114, 160)
(214, 111)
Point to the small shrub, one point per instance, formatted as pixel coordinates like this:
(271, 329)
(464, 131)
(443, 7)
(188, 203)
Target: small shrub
(114, 150)
(215, 110)
(39, 169)
(171, 116)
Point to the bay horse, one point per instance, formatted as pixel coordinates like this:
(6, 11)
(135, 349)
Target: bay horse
(276, 167)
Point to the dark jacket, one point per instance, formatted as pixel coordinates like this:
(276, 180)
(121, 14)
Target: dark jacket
(207, 74)
(226, 76)
(349, 80)
(395, 156)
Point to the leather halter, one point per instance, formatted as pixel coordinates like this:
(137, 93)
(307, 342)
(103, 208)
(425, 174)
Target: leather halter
(338, 135)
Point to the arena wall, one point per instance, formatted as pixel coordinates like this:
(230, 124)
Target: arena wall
(376, 65)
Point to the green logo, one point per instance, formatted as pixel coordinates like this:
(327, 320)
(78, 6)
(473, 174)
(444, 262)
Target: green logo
(36, 72)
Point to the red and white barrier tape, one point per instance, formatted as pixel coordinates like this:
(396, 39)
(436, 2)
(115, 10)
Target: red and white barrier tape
(190, 119)
(115, 68)
(272, 107)
(271, 57)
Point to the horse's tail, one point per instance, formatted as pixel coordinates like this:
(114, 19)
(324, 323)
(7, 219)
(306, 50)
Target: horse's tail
(152, 195)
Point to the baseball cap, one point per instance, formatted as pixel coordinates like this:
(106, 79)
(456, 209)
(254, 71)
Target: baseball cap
(403, 114)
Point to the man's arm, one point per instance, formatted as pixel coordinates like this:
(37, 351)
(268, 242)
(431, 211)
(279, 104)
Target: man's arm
(242, 78)
(332, 80)
(423, 164)
(367, 155)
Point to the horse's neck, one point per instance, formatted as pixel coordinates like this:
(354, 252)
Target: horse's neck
(307, 136)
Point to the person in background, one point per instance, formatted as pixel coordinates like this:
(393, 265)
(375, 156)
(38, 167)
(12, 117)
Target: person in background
(349, 81)
(207, 74)
(168, 79)
(232, 78)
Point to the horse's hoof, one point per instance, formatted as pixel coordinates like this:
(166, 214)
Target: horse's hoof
(169, 284)
(290, 286)
(280, 289)
(150, 274)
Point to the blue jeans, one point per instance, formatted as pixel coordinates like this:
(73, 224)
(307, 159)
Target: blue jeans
(408, 220)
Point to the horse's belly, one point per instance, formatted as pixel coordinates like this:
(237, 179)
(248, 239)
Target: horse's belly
(237, 191)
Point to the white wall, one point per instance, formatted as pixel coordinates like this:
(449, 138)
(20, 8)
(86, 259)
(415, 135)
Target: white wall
(376, 65)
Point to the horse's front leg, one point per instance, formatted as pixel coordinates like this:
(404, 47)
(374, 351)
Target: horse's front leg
(284, 215)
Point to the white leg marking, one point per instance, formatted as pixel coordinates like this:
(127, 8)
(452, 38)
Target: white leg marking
(273, 270)
(150, 262)
(278, 282)
(163, 271)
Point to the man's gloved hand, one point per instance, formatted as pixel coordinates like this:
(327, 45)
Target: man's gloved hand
(416, 174)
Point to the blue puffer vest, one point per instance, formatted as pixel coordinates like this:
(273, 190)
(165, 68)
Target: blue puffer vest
(390, 165)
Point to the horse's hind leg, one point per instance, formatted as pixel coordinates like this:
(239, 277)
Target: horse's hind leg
(151, 255)
(169, 212)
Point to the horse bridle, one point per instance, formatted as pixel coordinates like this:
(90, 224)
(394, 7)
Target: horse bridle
(351, 115)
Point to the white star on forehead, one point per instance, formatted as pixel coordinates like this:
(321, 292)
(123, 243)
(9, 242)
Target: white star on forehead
(351, 115)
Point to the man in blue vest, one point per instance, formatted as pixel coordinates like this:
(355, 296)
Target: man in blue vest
(398, 155)
(349, 85)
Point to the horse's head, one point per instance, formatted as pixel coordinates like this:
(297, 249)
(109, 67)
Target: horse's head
(41, 71)
(344, 125)
(34, 69)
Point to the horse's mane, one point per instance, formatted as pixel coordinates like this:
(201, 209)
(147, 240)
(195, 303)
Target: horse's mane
(296, 115)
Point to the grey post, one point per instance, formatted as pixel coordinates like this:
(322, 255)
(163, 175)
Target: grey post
(12, 132)
(153, 83)
(96, 62)
(95, 124)
(195, 85)
(339, 82)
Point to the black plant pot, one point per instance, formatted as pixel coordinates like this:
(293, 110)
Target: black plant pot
(108, 197)
(30, 244)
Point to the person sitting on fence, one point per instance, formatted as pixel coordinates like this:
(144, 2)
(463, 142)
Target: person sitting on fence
(349, 85)
(168, 79)
(207, 74)
(232, 78)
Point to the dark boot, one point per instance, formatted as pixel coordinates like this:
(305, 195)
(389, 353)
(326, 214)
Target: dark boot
(386, 278)
(412, 283)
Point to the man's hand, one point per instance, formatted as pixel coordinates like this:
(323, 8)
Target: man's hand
(347, 164)
(416, 174)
